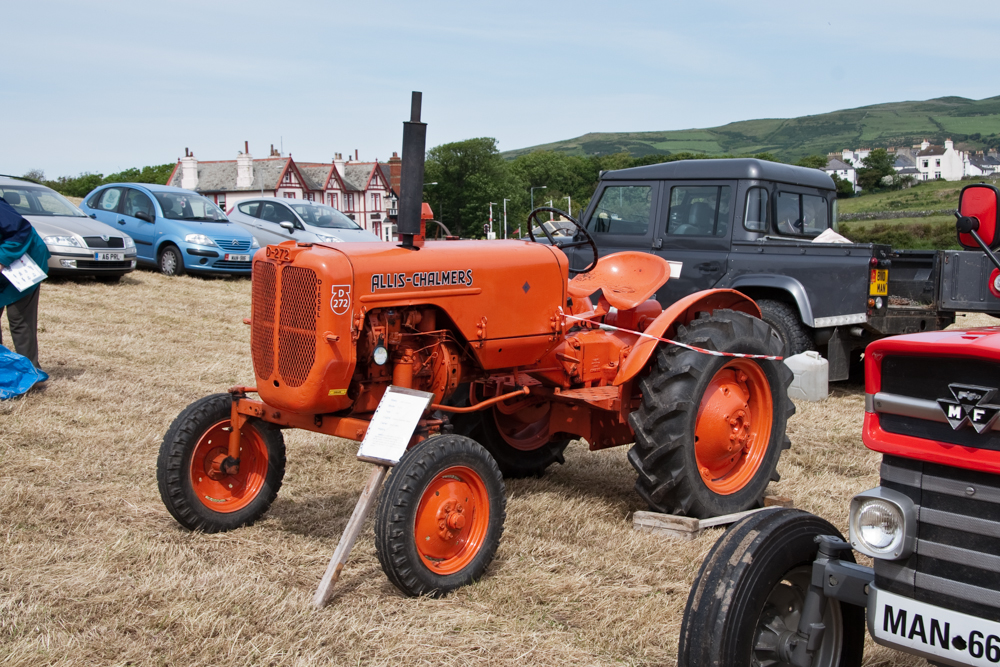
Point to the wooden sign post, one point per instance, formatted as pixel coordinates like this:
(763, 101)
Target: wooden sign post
(388, 435)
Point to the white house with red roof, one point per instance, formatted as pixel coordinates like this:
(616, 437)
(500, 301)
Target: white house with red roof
(365, 191)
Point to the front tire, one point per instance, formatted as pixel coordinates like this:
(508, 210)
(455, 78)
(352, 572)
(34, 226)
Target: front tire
(710, 430)
(750, 590)
(440, 516)
(195, 492)
(171, 263)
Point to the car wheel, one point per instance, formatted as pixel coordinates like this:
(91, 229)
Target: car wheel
(171, 263)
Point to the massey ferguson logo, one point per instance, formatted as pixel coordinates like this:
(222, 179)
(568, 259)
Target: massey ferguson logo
(970, 405)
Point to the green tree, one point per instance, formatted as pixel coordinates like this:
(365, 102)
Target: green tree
(813, 162)
(469, 175)
(845, 188)
(875, 167)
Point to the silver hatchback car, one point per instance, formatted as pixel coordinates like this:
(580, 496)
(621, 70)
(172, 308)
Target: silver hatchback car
(272, 220)
(78, 244)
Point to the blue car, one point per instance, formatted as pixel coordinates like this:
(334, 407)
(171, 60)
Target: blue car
(175, 230)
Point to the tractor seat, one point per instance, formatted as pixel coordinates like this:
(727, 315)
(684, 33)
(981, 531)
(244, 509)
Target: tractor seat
(627, 279)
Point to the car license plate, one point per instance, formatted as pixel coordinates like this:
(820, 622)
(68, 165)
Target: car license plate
(237, 258)
(928, 629)
(879, 285)
(109, 256)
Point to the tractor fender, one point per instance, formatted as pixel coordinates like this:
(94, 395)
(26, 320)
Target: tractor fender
(681, 312)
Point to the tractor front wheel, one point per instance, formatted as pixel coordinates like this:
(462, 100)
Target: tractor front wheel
(193, 487)
(746, 602)
(710, 429)
(440, 516)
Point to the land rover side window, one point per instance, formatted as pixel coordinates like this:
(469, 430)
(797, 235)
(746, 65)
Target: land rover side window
(623, 209)
(755, 219)
(802, 215)
(699, 210)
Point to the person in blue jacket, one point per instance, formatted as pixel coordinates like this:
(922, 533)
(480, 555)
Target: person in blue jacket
(18, 237)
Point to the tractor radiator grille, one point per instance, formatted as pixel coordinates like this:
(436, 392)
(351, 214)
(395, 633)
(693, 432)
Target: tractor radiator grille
(955, 563)
(262, 332)
(297, 327)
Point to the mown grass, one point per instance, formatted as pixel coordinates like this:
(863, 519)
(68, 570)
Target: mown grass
(94, 571)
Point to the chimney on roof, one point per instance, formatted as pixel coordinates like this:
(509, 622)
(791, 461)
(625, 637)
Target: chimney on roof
(924, 145)
(355, 154)
(395, 171)
(949, 144)
(244, 168)
(189, 171)
(338, 164)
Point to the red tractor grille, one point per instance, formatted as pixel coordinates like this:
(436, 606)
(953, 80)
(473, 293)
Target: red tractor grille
(262, 331)
(297, 327)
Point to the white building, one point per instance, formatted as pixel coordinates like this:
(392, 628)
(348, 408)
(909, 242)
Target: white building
(978, 164)
(843, 170)
(365, 191)
(937, 162)
(855, 156)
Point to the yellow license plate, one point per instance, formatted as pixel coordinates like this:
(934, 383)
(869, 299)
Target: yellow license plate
(879, 285)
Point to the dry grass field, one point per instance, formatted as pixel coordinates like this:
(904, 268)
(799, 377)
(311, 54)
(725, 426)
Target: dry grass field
(93, 571)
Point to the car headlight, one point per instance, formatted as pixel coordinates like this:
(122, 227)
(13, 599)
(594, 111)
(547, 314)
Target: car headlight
(69, 241)
(129, 243)
(199, 239)
(254, 243)
(883, 524)
(329, 239)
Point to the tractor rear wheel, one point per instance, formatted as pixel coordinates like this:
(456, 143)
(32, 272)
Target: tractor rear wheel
(440, 516)
(193, 488)
(516, 434)
(746, 602)
(710, 429)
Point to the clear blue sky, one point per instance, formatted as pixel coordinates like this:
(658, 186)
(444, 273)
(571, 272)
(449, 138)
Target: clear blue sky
(101, 86)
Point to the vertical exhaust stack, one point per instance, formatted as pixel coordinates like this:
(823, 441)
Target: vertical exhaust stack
(409, 225)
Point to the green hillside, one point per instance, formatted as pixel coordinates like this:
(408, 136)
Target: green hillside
(972, 124)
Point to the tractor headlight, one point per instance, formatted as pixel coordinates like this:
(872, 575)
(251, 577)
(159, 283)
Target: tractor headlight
(882, 524)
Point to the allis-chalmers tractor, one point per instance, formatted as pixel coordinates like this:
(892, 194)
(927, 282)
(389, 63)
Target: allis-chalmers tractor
(520, 361)
(781, 586)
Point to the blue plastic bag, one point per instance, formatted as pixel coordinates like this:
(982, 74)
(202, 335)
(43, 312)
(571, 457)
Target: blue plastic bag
(17, 374)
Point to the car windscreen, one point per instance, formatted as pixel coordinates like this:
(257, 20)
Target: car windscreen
(318, 215)
(37, 200)
(189, 206)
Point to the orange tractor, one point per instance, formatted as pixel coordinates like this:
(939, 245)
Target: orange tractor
(520, 361)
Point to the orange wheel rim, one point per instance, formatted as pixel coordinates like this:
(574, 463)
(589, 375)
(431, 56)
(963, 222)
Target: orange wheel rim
(228, 493)
(451, 521)
(733, 428)
(527, 427)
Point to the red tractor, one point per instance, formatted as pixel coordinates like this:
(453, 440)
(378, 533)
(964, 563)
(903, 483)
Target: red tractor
(781, 587)
(519, 360)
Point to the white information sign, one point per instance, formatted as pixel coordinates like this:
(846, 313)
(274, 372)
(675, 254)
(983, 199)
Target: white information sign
(23, 273)
(393, 424)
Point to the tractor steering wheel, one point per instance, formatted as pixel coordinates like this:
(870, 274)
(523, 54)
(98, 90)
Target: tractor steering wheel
(587, 238)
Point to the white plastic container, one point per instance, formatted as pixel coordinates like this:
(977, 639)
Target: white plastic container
(812, 376)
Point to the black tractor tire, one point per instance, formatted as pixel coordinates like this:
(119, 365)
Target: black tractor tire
(209, 501)
(751, 587)
(678, 387)
(171, 262)
(514, 463)
(784, 319)
(421, 549)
